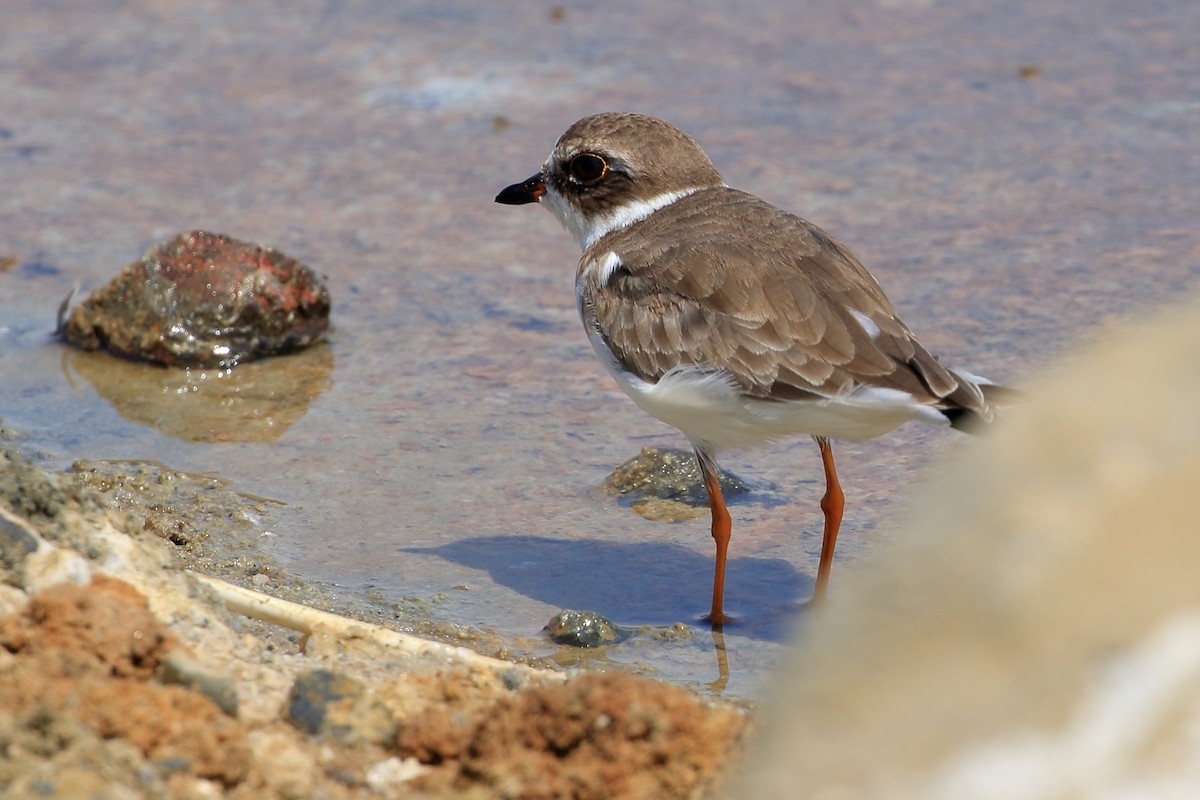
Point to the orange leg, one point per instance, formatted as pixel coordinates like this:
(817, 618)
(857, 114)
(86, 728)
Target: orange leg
(832, 504)
(722, 529)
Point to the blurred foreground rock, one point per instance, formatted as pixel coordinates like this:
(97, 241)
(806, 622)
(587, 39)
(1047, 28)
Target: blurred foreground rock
(205, 300)
(1034, 632)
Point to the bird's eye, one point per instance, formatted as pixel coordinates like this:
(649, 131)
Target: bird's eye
(587, 168)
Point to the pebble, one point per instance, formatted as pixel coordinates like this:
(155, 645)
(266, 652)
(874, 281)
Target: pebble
(184, 669)
(329, 705)
(51, 566)
(204, 300)
(15, 543)
(388, 776)
(288, 769)
(584, 629)
(12, 600)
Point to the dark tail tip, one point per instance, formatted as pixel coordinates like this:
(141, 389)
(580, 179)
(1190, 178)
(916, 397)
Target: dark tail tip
(965, 420)
(996, 399)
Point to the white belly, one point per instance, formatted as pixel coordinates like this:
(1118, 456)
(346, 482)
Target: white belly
(709, 409)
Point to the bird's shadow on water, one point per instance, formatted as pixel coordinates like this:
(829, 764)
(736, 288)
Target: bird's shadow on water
(644, 583)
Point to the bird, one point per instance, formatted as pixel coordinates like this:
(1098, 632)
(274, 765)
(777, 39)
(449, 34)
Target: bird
(732, 320)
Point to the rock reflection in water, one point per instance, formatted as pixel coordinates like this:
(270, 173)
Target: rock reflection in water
(254, 402)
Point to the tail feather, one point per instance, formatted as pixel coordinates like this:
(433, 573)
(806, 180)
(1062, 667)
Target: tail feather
(971, 420)
(1001, 397)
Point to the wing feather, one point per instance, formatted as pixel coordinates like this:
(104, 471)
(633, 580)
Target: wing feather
(782, 328)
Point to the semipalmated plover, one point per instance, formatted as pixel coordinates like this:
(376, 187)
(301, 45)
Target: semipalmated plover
(730, 319)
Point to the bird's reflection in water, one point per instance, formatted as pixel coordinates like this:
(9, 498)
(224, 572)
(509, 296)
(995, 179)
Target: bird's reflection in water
(718, 686)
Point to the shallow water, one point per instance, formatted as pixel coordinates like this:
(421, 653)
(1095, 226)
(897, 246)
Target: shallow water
(1014, 176)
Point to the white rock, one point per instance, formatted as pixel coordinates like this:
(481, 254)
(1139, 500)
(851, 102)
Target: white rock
(388, 776)
(50, 566)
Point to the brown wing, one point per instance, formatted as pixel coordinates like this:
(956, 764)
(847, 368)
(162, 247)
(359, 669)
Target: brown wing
(778, 315)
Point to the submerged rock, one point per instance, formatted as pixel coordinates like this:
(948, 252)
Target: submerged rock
(666, 485)
(205, 300)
